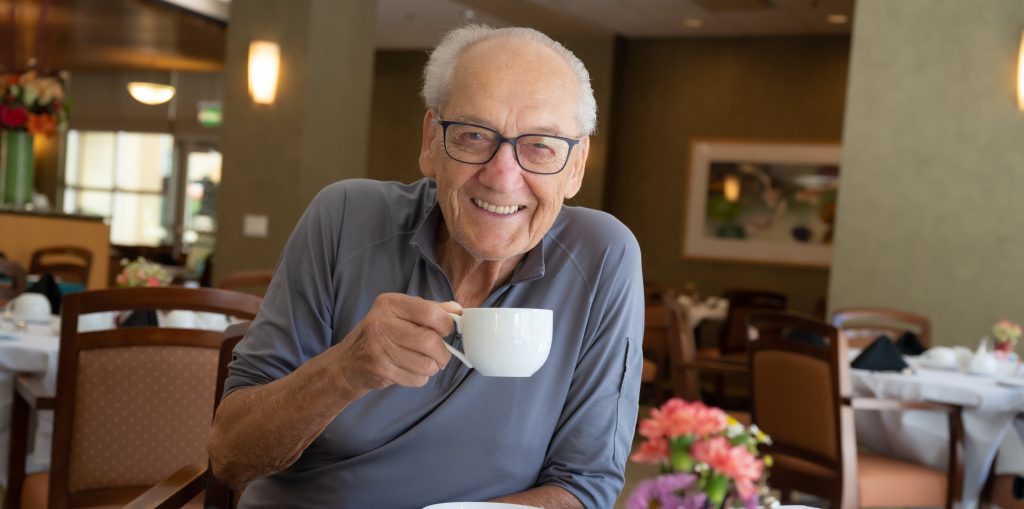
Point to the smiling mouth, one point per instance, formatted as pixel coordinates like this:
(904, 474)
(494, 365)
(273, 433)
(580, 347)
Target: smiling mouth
(498, 209)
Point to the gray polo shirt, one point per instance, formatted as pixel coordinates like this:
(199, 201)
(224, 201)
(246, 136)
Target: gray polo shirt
(463, 436)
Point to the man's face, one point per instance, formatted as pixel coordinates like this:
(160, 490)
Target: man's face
(513, 87)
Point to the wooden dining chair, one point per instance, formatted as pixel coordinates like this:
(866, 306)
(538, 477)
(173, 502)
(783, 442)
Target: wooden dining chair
(67, 263)
(743, 301)
(250, 281)
(862, 325)
(669, 343)
(12, 280)
(659, 332)
(133, 406)
(801, 397)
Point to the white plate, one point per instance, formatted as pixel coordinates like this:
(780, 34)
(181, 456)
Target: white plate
(478, 505)
(1012, 381)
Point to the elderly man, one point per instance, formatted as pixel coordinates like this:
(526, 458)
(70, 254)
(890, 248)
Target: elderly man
(343, 394)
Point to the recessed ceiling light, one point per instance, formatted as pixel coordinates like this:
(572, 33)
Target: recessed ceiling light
(837, 19)
(693, 23)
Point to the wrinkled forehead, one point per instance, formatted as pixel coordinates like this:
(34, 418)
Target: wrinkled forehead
(522, 81)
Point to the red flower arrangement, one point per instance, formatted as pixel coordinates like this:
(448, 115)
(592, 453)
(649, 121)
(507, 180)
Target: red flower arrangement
(32, 103)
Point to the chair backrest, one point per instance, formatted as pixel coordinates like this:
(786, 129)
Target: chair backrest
(250, 281)
(133, 405)
(733, 337)
(12, 280)
(655, 350)
(669, 343)
(862, 325)
(798, 384)
(682, 350)
(68, 263)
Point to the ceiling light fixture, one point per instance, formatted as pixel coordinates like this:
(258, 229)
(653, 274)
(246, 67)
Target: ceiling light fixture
(150, 93)
(693, 23)
(264, 63)
(1020, 74)
(837, 19)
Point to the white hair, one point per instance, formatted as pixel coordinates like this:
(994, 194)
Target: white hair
(437, 75)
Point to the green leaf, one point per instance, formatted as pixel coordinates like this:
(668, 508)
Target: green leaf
(717, 487)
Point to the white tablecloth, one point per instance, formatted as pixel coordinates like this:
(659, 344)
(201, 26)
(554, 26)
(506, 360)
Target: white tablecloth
(712, 309)
(989, 409)
(30, 351)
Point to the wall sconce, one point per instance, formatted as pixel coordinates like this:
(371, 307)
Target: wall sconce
(1020, 74)
(150, 93)
(264, 62)
(732, 188)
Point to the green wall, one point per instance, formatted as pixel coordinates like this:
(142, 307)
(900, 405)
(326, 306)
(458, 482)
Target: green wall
(669, 91)
(933, 165)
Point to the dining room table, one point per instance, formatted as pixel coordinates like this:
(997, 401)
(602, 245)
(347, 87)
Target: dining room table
(990, 406)
(27, 348)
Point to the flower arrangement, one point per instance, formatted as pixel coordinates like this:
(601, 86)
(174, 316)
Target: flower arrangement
(707, 459)
(142, 272)
(32, 103)
(1006, 334)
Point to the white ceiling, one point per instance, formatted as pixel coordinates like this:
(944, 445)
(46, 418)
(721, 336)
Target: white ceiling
(419, 23)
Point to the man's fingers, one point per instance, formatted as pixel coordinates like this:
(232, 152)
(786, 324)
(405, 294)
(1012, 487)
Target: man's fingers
(424, 313)
(417, 339)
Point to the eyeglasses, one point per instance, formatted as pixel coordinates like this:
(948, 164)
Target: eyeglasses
(536, 153)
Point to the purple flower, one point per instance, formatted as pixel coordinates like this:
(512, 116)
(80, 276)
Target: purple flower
(665, 492)
(695, 501)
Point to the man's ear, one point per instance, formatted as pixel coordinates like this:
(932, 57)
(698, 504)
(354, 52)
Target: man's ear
(577, 166)
(427, 147)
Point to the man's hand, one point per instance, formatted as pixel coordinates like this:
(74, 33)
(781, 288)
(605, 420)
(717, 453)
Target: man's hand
(398, 342)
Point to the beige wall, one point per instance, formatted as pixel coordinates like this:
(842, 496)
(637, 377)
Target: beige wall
(277, 157)
(669, 91)
(933, 166)
(397, 118)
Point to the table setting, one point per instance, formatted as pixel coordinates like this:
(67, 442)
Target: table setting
(987, 382)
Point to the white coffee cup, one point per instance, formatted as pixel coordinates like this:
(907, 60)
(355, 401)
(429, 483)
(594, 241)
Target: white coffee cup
(511, 342)
(30, 307)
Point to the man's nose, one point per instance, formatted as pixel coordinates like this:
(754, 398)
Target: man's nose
(502, 172)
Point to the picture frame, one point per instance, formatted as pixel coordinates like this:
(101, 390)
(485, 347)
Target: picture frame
(762, 202)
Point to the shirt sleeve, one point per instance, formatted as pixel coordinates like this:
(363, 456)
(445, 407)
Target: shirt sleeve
(588, 451)
(295, 318)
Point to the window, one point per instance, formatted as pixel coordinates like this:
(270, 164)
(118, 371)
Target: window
(128, 178)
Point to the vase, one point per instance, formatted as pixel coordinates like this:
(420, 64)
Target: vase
(16, 167)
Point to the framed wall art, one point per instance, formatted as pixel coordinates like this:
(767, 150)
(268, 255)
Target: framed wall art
(761, 202)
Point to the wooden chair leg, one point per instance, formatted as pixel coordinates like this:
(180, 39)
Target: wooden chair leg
(20, 413)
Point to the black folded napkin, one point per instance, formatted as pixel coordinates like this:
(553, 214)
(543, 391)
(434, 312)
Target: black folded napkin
(909, 344)
(47, 285)
(141, 318)
(881, 355)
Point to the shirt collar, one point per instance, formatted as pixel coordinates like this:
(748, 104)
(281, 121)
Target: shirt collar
(424, 241)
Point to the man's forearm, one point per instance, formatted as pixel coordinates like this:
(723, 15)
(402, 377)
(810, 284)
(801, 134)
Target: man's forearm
(547, 496)
(262, 430)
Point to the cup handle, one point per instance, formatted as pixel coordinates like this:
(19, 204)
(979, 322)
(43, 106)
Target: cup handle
(458, 330)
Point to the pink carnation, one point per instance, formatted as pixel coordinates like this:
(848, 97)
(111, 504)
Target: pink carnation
(654, 450)
(678, 418)
(736, 462)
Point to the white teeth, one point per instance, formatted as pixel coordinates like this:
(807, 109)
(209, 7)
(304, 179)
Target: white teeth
(497, 209)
